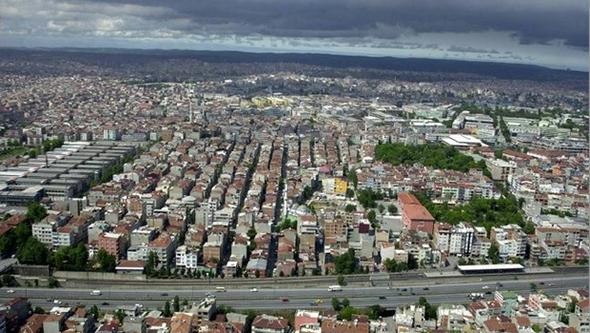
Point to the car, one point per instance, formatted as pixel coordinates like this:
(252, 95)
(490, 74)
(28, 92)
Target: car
(10, 291)
(550, 284)
(284, 299)
(254, 290)
(105, 303)
(49, 300)
(382, 297)
(485, 287)
(488, 292)
(425, 288)
(56, 301)
(164, 294)
(405, 289)
(542, 283)
(499, 285)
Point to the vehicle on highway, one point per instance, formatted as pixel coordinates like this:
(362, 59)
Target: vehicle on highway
(56, 301)
(10, 291)
(488, 292)
(382, 297)
(254, 290)
(96, 293)
(475, 296)
(49, 300)
(284, 299)
(220, 289)
(164, 294)
(105, 303)
(335, 288)
(425, 288)
(485, 287)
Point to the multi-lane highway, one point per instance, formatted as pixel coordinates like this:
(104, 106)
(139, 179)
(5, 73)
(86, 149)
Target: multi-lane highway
(273, 298)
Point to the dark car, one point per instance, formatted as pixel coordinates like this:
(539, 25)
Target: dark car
(105, 303)
(426, 288)
(284, 299)
(381, 297)
(164, 294)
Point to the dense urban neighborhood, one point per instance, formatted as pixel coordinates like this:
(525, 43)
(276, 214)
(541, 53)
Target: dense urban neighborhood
(367, 200)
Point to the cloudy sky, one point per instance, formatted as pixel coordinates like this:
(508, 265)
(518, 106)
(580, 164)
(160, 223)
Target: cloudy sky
(551, 33)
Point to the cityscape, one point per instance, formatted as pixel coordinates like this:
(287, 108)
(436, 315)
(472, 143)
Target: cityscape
(160, 190)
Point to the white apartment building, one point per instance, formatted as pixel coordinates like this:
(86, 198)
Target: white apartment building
(186, 257)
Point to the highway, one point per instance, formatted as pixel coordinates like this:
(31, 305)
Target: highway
(401, 293)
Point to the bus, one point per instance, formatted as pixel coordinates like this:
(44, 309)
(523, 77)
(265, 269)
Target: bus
(220, 289)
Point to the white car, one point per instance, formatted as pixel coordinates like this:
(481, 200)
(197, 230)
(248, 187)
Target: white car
(254, 290)
(10, 291)
(485, 287)
(56, 301)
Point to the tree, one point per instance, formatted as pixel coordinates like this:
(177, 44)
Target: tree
(341, 280)
(350, 208)
(167, 312)
(494, 253)
(392, 209)
(349, 193)
(70, 258)
(33, 252)
(347, 312)
(429, 310)
(375, 312)
(336, 304)
(372, 217)
(120, 316)
(36, 212)
(176, 304)
(104, 262)
(52, 282)
(346, 263)
(151, 264)
(94, 311)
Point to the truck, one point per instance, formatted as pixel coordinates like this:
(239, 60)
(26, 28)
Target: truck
(335, 288)
(96, 293)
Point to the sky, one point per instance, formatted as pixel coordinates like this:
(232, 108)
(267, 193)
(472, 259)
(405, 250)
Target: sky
(551, 33)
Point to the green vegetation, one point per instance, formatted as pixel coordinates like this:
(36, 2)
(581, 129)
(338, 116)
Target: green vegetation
(352, 178)
(372, 217)
(70, 258)
(346, 263)
(494, 253)
(32, 253)
(36, 212)
(479, 211)
(367, 198)
(392, 209)
(556, 212)
(340, 280)
(350, 208)
(103, 262)
(393, 266)
(437, 156)
(287, 223)
(429, 310)
(505, 131)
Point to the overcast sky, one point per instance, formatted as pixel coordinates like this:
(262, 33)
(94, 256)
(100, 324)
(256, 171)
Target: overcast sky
(551, 33)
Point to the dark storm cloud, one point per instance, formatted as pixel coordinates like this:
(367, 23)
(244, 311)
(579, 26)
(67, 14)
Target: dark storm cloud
(530, 21)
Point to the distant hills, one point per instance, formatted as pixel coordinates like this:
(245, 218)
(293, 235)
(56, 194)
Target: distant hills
(488, 69)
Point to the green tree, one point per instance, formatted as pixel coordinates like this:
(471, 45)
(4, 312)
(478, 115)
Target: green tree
(381, 208)
(347, 312)
(70, 258)
(350, 208)
(33, 252)
(94, 312)
(494, 253)
(167, 312)
(346, 263)
(120, 316)
(392, 209)
(36, 212)
(349, 193)
(375, 312)
(104, 262)
(340, 280)
(336, 304)
(176, 304)
(372, 217)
